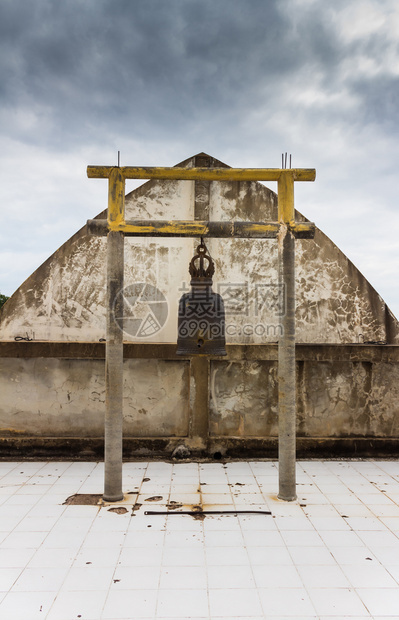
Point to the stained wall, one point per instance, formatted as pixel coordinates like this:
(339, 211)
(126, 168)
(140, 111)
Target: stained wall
(202, 404)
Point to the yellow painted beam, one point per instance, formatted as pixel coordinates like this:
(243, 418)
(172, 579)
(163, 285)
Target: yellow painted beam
(116, 198)
(182, 228)
(205, 174)
(199, 228)
(285, 194)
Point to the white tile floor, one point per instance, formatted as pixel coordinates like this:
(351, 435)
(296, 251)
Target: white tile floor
(333, 553)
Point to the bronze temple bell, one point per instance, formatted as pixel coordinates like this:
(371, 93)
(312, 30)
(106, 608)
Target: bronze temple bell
(201, 320)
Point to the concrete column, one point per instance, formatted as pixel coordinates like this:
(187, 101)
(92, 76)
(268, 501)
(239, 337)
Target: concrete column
(200, 366)
(199, 402)
(286, 347)
(286, 370)
(114, 344)
(114, 370)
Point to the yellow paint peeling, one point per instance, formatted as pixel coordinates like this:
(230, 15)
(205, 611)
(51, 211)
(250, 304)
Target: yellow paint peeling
(116, 198)
(203, 174)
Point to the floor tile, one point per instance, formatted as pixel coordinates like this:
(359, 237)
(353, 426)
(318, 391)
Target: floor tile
(222, 523)
(387, 556)
(224, 499)
(323, 577)
(223, 539)
(225, 603)
(181, 523)
(290, 602)
(136, 578)
(226, 556)
(327, 523)
(102, 539)
(146, 538)
(380, 601)
(24, 605)
(385, 510)
(179, 556)
(365, 523)
(263, 538)
(277, 577)
(8, 576)
(379, 539)
(67, 523)
(15, 558)
(52, 558)
(261, 522)
(337, 538)
(265, 556)
(353, 555)
(100, 557)
(354, 510)
(87, 578)
(301, 523)
(311, 555)
(70, 540)
(24, 540)
(305, 539)
(230, 577)
(186, 539)
(36, 524)
(136, 556)
(189, 604)
(40, 580)
(336, 601)
(368, 576)
(183, 577)
(68, 605)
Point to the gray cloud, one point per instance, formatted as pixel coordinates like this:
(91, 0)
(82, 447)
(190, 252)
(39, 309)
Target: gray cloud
(90, 64)
(164, 79)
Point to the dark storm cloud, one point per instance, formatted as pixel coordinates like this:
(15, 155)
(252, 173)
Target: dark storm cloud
(71, 70)
(84, 65)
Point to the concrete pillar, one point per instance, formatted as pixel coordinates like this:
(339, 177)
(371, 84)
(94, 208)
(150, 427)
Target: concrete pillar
(114, 344)
(114, 371)
(286, 347)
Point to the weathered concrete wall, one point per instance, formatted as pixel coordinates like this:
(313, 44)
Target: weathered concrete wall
(347, 399)
(335, 399)
(64, 300)
(65, 397)
(205, 403)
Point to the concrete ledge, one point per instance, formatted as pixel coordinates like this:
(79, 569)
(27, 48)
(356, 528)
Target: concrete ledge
(235, 352)
(92, 448)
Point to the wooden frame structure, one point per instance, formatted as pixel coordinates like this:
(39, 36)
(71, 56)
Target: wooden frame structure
(285, 230)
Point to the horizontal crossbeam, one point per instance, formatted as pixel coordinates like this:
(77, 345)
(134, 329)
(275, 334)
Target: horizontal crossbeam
(203, 174)
(182, 228)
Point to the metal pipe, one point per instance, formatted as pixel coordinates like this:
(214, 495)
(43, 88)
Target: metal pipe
(207, 512)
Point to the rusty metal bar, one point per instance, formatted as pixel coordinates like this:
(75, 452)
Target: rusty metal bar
(194, 513)
(183, 228)
(205, 174)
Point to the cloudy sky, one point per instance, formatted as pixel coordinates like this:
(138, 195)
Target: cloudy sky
(161, 80)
